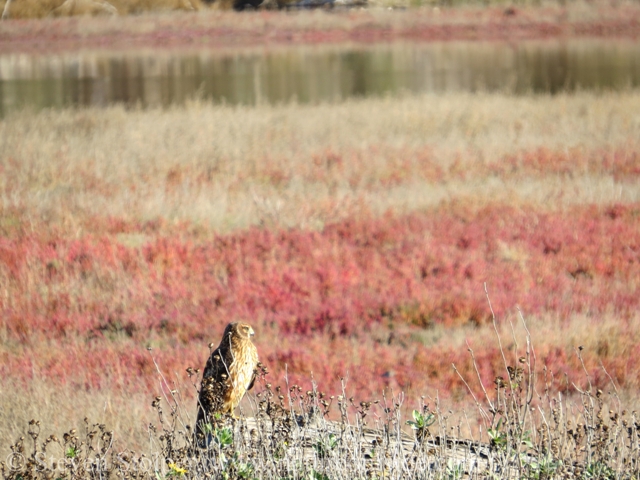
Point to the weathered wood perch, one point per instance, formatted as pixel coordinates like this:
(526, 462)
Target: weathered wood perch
(373, 451)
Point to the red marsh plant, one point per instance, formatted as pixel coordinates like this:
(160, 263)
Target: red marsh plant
(370, 289)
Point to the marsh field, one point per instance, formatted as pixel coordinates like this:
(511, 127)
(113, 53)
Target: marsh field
(464, 255)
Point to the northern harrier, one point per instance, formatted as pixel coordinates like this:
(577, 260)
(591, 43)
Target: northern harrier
(229, 373)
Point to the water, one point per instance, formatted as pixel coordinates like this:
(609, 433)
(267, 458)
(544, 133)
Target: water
(314, 74)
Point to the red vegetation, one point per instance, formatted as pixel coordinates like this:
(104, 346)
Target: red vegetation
(268, 28)
(325, 302)
(405, 164)
(621, 163)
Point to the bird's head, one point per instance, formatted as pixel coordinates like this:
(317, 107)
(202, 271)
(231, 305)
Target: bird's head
(239, 329)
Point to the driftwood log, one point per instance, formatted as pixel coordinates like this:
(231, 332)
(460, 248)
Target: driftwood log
(373, 452)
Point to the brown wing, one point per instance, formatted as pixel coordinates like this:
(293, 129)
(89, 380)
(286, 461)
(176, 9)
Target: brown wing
(218, 365)
(216, 384)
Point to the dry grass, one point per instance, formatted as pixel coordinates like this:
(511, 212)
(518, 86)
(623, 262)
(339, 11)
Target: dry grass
(225, 167)
(520, 428)
(62, 407)
(126, 409)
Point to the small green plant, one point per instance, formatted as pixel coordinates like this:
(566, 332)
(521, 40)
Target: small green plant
(234, 468)
(71, 452)
(315, 475)
(421, 422)
(223, 436)
(454, 471)
(245, 470)
(497, 436)
(326, 445)
(600, 471)
(543, 467)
